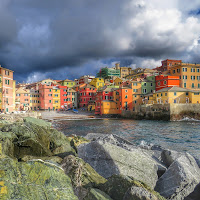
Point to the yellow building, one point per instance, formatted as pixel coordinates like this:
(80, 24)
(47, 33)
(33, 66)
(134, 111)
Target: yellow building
(116, 99)
(108, 107)
(189, 75)
(56, 98)
(97, 82)
(193, 97)
(172, 95)
(91, 105)
(34, 99)
(137, 92)
(68, 83)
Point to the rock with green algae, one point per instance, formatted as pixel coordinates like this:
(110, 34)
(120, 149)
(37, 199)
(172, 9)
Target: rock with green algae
(82, 175)
(119, 187)
(96, 194)
(75, 141)
(34, 180)
(38, 122)
(32, 139)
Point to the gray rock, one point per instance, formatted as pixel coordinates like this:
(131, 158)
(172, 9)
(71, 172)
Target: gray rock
(195, 195)
(139, 193)
(108, 159)
(169, 156)
(180, 179)
(96, 194)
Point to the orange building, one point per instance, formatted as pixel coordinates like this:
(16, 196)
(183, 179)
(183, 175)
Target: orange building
(6, 88)
(22, 99)
(167, 64)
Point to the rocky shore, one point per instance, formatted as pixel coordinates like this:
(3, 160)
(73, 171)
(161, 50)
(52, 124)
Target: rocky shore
(39, 162)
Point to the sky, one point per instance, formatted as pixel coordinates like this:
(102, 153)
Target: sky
(70, 38)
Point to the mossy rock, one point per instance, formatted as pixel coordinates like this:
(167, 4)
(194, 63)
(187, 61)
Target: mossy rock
(96, 194)
(75, 141)
(35, 140)
(117, 186)
(82, 175)
(38, 122)
(33, 180)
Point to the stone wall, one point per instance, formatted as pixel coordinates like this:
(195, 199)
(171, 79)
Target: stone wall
(164, 112)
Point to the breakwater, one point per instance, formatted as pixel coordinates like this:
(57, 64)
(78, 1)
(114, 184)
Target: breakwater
(167, 112)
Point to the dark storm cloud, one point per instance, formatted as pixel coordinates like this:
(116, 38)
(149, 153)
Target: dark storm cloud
(48, 35)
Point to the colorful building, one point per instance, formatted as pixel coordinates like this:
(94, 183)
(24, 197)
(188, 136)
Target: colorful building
(164, 81)
(86, 93)
(22, 100)
(189, 75)
(46, 96)
(84, 79)
(108, 72)
(34, 99)
(6, 76)
(56, 98)
(148, 85)
(97, 82)
(167, 64)
(68, 83)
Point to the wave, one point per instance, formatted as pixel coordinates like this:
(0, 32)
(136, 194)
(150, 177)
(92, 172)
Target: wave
(188, 119)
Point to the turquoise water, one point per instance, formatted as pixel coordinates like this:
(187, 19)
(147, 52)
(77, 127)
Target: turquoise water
(179, 135)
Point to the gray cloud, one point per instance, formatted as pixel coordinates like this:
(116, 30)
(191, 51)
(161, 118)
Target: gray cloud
(49, 37)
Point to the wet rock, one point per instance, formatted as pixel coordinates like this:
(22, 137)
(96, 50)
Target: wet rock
(120, 187)
(82, 175)
(108, 159)
(33, 180)
(96, 194)
(180, 179)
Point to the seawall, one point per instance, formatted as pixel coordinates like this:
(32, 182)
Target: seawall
(167, 112)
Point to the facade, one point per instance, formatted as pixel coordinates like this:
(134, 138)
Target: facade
(108, 72)
(56, 98)
(118, 81)
(6, 85)
(189, 75)
(148, 85)
(22, 102)
(68, 83)
(84, 79)
(46, 96)
(167, 64)
(86, 93)
(163, 81)
(34, 99)
(97, 82)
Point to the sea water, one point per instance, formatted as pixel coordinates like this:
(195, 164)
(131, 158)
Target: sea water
(181, 135)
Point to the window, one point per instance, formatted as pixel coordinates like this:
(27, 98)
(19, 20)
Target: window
(165, 94)
(145, 84)
(49, 101)
(56, 101)
(126, 90)
(178, 70)
(135, 102)
(186, 93)
(192, 70)
(165, 82)
(144, 90)
(50, 95)
(158, 83)
(25, 95)
(197, 69)
(49, 90)
(184, 85)
(174, 71)
(135, 84)
(135, 90)
(126, 96)
(198, 85)
(6, 72)
(151, 84)
(174, 93)
(18, 95)
(196, 93)
(56, 95)
(198, 77)
(184, 69)
(6, 91)
(174, 100)
(192, 85)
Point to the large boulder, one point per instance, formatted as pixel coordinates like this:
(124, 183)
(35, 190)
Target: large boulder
(35, 140)
(120, 187)
(180, 179)
(195, 195)
(108, 159)
(36, 121)
(82, 175)
(33, 180)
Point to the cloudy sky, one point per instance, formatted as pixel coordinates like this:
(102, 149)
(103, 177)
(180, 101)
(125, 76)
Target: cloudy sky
(69, 38)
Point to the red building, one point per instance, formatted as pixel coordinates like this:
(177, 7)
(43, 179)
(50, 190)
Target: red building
(102, 95)
(166, 64)
(86, 93)
(63, 96)
(163, 81)
(46, 96)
